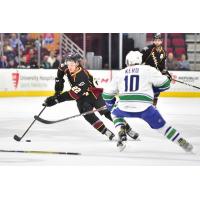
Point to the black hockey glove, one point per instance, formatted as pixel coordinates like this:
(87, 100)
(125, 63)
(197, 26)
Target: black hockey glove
(59, 85)
(166, 73)
(50, 101)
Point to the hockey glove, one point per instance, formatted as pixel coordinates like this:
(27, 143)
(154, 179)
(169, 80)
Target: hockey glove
(50, 101)
(110, 103)
(59, 85)
(166, 73)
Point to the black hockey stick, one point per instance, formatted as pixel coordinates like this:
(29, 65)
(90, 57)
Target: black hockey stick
(40, 152)
(17, 138)
(64, 119)
(186, 84)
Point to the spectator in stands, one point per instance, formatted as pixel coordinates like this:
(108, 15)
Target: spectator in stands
(6, 46)
(11, 58)
(30, 53)
(3, 62)
(23, 63)
(12, 64)
(31, 59)
(184, 63)
(14, 42)
(56, 64)
(24, 39)
(48, 38)
(29, 43)
(33, 62)
(51, 59)
(45, 63)
(171, 63)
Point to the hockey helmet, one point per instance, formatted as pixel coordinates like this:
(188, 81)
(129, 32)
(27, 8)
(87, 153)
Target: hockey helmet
(133, 58)
(157, 36)
(73, 57)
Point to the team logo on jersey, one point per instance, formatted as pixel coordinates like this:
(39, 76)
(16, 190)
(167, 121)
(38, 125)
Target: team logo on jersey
(81, 84)
(15, 79)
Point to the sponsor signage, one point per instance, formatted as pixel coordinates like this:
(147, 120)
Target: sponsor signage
(44, 79)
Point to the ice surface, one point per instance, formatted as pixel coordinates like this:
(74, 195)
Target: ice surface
(76, 135)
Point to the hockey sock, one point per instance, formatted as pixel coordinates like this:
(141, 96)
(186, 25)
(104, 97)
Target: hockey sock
(99, 126)
(170, 133)
(119, 122)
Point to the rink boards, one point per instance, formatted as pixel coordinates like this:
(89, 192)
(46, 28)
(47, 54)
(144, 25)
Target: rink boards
(40, 82)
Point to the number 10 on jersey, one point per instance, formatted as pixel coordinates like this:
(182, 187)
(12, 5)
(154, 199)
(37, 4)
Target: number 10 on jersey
(131, 83)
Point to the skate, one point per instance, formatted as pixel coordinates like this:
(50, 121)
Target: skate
(121, 144)
(132, 134)
(109, 134)
(185, 145)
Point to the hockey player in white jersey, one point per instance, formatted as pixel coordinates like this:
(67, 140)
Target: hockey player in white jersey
(133, 86)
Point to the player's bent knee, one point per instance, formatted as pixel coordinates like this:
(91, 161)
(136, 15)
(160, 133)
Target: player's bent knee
(154, 118)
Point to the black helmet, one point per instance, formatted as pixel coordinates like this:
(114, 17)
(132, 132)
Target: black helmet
(73, 57)
(157, 36)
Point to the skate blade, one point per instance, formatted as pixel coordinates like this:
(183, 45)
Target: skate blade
(137, 139)
(121, 147)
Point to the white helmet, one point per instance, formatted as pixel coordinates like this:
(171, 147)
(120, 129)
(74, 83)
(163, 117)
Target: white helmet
(133, 58)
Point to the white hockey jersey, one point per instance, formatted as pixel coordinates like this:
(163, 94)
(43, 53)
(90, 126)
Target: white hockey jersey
(133, 86)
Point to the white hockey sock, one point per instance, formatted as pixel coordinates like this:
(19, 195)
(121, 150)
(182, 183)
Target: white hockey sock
(170, 133)
(118, 128)
(118, 121)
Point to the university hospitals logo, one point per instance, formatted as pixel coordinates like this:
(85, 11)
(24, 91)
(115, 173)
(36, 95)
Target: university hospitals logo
(15, 79)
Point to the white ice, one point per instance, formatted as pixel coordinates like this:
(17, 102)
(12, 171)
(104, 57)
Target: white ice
(76, 135)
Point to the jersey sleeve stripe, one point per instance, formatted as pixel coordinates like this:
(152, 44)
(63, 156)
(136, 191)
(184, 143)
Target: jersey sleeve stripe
(73, 95)
(165, 84)
(108, 96)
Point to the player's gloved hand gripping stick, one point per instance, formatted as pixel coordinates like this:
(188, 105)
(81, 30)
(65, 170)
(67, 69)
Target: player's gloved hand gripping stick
(17, 138)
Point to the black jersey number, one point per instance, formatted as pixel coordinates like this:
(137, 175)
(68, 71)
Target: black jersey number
(131, 83)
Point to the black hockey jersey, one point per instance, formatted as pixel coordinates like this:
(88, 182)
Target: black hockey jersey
(154, 56)
(81, 82)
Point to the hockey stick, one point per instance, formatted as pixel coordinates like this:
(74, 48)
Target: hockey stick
(64, 119)
(17, 138)
(40, 152)
(186, 83)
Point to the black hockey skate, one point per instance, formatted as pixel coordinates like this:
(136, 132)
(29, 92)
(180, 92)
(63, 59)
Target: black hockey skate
(185, 145)
(121, 143)
(132, 134)
(109, 134)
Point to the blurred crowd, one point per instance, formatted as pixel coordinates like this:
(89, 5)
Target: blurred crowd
(24, 52)
(177, 64)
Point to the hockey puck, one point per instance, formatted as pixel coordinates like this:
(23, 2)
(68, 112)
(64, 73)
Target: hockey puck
(28, 140)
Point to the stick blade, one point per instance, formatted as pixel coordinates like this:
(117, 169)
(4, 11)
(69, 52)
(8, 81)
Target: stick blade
(73, 153)
(17, 138)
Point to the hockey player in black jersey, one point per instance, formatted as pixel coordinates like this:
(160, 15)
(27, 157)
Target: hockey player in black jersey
(84, 92)
(155, 56)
